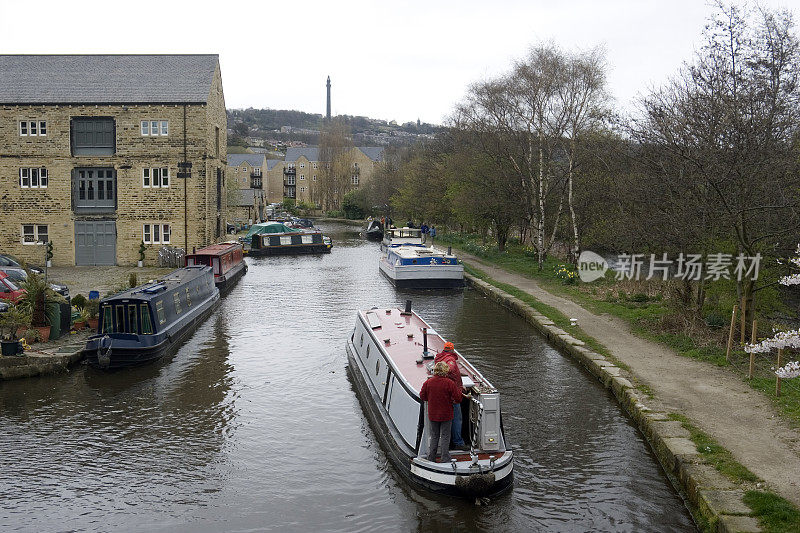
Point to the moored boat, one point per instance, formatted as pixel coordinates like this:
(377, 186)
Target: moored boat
(279, 239)
(394, 237)
(227, 261)
(142, 324)
(374, 230)
(390, 352)
(420, 267)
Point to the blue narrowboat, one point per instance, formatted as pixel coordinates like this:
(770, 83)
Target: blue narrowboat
(142, 324)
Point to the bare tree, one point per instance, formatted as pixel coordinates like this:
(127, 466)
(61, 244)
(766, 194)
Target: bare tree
(337, 165)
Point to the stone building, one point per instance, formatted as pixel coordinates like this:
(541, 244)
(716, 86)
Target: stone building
(300, 172)
(247, 186)
(101, 152)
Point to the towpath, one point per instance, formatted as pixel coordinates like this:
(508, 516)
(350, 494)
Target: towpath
(715, 399)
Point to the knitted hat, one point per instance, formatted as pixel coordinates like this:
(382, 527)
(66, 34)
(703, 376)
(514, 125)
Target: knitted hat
(449, 345)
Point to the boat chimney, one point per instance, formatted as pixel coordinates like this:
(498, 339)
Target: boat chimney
(408, 308)
(425, 353)
(449, 250)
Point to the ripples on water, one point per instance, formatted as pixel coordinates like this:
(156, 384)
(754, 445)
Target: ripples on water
(253, 425)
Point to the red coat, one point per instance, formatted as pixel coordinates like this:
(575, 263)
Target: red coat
(451, 358)
(440, 393)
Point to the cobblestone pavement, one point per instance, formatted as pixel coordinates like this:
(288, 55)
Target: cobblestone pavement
(82, 279)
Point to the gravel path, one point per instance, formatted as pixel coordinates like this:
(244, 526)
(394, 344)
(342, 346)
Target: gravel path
(716, 400)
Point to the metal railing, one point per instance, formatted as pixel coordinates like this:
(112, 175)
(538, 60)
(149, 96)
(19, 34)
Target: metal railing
(170, 256)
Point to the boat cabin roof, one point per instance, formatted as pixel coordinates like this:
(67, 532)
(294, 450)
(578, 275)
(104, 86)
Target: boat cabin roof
(157, 288)
(418, 251)
(216, 249)
(404, 232)
(405, 342)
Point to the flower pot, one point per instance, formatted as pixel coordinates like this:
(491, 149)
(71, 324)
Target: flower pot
(49, 263)
(44, 332)
(140, 264)
(8, 348)
(92, 323)
(79, 325)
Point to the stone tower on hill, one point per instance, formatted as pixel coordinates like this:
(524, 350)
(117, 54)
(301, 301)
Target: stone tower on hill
(328, 112)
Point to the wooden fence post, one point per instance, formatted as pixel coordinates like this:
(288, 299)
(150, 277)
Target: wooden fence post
(752, 355)
(730, 334)
(744, 324)
(777, 379)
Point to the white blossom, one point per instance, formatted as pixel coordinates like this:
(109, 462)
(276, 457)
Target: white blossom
(791, 370)
(783, 339)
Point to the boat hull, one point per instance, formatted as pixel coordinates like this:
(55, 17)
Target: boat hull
(439, 480)
(130, 356)
(230, 278)
(424, 276)
(292, 249)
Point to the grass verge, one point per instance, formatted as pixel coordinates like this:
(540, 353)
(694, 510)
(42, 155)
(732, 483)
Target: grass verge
(774, 514)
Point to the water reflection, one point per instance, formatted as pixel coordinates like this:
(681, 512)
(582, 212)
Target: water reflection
(253, 425)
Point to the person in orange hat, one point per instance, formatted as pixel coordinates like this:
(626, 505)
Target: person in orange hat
(440, 393)
(449, 356)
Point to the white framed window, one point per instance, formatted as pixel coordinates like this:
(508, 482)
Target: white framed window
(355, 165)
(33, 178)
(302, 165)
(32, 128)
(314, 178)
(355, 180)
(154, 128)
(34, 233)
(302, 189)
(302, 177)
(156, 233)
(290, 165)
(315, 165)
(290, 180)
(155, 178)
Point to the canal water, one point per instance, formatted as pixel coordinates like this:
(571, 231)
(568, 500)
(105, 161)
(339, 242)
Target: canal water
(253, 425)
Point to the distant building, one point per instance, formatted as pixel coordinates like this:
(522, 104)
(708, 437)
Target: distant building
(246, 186)
(94, 150)
(301, 171)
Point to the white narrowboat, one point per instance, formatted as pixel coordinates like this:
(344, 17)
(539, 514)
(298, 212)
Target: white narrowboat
(390, 355)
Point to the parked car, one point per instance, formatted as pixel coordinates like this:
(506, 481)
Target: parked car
(7, 260)
(9, 290)
(4, 307)
(18, 274)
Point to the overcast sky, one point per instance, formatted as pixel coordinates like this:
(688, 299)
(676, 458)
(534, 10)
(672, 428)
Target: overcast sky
(396, 60)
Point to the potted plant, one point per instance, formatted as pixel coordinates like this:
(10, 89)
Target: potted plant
(12, 320)
(92, 308)
(80, 323)
(49, 254)
(141, 254)
(36, 301)
(79, 301)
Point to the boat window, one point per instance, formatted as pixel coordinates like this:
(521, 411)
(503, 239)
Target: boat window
(368, 347)
(188, 298)
(147, 327)
(286, 240)
(377, 366)
(108, 325)
(414, 261)
(162, 318)
(177, 300)
(306, 239)
(361, 342)
(132, 324)
(120, 318)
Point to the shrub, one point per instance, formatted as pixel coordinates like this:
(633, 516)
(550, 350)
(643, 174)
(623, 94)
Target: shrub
(639, 297)
(132, 280)
(93, 306)
(567, 275)
(715, 320)
(79, 301)
(32, 335)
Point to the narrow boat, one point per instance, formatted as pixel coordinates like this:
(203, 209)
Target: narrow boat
(419, 267)
(374, 230)
(279, 239)
(226, 259)
(390, 354)
(142, 324)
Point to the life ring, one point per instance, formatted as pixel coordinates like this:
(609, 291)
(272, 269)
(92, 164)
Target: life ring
(445, 261)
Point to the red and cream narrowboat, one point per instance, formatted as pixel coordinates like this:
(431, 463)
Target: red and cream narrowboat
(390, 355)
(227, 261)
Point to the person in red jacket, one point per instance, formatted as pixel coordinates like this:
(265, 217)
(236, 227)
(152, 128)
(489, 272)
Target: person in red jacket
(441, 393)
(449, 356)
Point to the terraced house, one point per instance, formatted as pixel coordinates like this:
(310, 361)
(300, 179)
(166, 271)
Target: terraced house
(101, 152)
(247, 187)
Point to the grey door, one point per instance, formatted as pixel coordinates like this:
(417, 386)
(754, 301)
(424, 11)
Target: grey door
(95, 242)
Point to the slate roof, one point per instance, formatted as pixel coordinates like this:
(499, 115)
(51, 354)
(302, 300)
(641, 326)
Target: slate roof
(312, 152)
(106, 79)
(254, 160)
(272, 162)
(247, 197)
